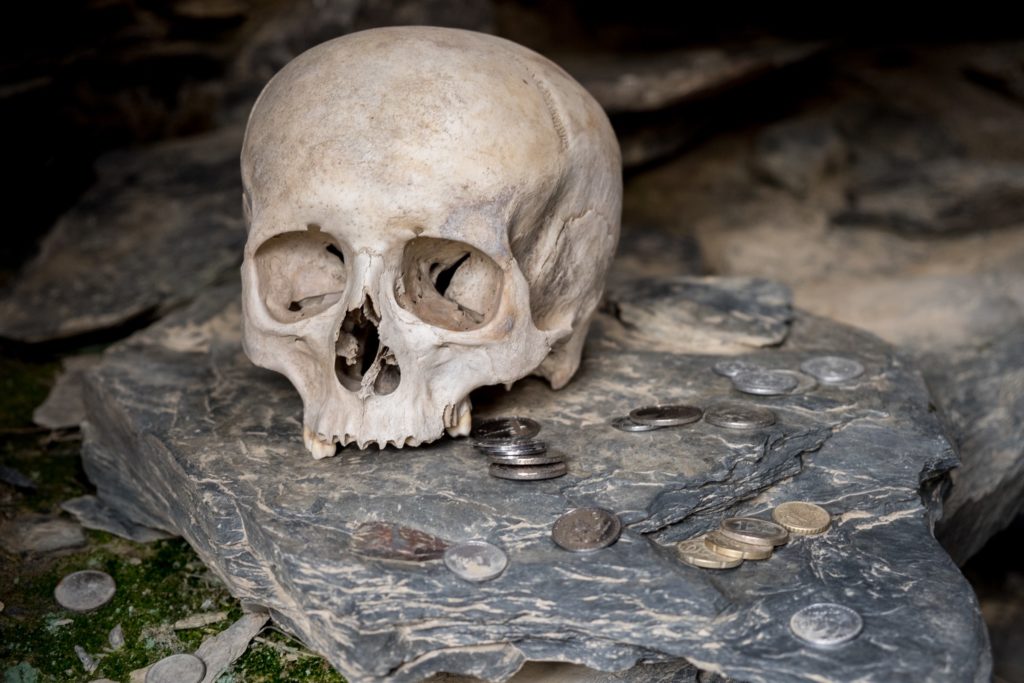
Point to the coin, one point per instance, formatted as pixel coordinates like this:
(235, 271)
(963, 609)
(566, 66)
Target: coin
(182, 668)
(826, 624)
(731, 368)
(666, 416)
(514, 447)
(729, 547)
(765, 382)
(516, 460)
(529, 473)
(754, 530)
(85, 590)
(696, 553)
(805, 519)
(736, 416)
(476, 560)
(832, 369)
(506, 428)
(585, 529)
(624, 424)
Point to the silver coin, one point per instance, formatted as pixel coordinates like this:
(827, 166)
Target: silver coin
(832, 369)
(497, 428)
(826, 624)
(85, 590)
(731, 368)
(181, 668)
(737, 416)
(666, 416)
(476, 560)
(528, 473)
(524, 447)
(754, 530)
(765, 382)
(515, 460)
(625, 424)
(586, 529)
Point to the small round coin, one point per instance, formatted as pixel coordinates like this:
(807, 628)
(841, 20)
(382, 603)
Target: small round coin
(736, 416)
(476, 560)
(832, 369)
(695, 552)
(181, 668)
(85, 590)
(516, 460)
(724, 545)
(514, 427)
(625, 424)
(826, 624)
(528, 473)
(765, 382)
(754, 530)
(666, 416)
(585, 529)
(731, 368)
(804, 519)
(513, 447)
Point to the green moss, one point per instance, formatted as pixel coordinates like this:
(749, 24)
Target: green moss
(23, 386)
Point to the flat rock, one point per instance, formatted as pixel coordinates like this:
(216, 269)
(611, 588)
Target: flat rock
(160, 225)
(92, 513)
(191, 438)
(37, 533)
(63, 407)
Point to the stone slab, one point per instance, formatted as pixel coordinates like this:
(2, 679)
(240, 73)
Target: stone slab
(184, 434)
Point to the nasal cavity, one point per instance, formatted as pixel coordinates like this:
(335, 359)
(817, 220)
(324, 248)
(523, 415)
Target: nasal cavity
(361, 363)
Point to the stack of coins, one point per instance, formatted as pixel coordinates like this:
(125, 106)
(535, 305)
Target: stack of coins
(513, 451)
(752, 538)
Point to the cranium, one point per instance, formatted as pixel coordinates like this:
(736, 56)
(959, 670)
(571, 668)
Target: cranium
(429, 211)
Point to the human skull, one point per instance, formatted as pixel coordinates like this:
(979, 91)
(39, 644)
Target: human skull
(429, 211)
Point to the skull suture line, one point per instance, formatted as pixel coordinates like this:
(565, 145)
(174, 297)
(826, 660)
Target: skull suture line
(430, 211)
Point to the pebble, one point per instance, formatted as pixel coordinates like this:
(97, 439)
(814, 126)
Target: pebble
(180, 668)
(199, 620)
(116, 637)
(34, 533)
(85, 590)
(88, 663)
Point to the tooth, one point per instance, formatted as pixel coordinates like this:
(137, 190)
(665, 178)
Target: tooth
(320, 448)
(462, 419)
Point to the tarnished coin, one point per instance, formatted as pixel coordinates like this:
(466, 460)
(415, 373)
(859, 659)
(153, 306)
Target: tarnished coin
(625, 424)
(765, 382)
(736, 416)
(85, 590)
(832, 369)
(731, 368)
(805, 519)
(666, 416)
(754, 530)
(181, 668)
(476, 560)
(516, 447)
(718, 542)
(585, 529)
(528, 473)
(826, 624)
(695, 552)
(502, 428)
(516, 460)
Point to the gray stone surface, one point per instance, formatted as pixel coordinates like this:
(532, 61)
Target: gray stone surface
(38, 533)
(160, 225)
(186, 435)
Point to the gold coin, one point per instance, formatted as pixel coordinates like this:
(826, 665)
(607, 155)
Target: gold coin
(802, 518)
(730, 547)
(696, 553)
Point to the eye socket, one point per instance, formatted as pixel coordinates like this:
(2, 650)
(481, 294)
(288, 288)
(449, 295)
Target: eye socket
(449, 284)
(300, 274)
